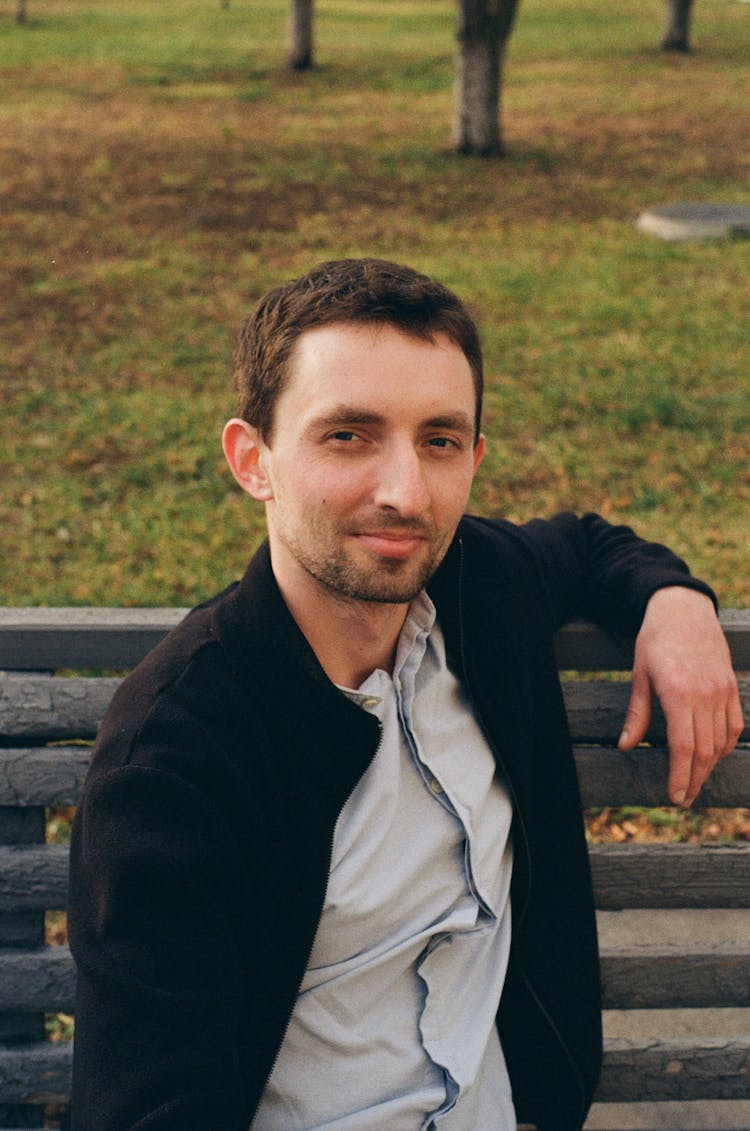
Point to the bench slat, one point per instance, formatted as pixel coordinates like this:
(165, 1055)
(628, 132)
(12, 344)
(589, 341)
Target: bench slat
(609, 777)
(33, 981)
(629, 876)
(34, 878)
(41, 707)
(42, 775)
(36, 1074)
(580, 646)
(50, 638)
(626, 876)
(710, 1069)
(633, 1071)
(596, 710)
(44, 708)
(695, 1115)
(659, 977)
(644, 977)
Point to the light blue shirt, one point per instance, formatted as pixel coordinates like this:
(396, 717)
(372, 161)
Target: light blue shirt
(394, 1025)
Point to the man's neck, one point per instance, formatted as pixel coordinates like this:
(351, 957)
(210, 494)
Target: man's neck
(350, 638)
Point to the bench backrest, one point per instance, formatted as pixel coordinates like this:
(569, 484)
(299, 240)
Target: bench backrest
(48, 719)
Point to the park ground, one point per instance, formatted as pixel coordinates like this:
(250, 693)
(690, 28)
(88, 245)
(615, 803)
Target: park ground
(160, 168)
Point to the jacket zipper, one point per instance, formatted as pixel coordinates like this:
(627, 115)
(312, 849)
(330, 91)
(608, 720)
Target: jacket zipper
(524, 835)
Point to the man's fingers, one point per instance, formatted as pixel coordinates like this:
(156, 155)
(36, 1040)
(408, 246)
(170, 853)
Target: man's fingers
(638, 714)
(698, 740)
(705, 752)
(735, 721)
(681, 742)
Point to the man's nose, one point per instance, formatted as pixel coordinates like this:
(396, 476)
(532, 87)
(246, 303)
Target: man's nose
(401, 483)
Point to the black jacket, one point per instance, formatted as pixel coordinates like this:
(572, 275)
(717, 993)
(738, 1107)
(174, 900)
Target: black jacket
(201, 847)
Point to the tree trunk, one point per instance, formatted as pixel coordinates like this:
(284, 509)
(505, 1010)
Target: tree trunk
(677, 29)
(482, 30)
(20, 11)
(300, 45)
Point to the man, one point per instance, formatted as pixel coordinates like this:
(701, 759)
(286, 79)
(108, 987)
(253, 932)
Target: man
(329, 871)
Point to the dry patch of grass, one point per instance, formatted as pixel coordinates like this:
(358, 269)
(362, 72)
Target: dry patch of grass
(667, 826)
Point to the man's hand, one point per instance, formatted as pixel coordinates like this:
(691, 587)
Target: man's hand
(681, 656)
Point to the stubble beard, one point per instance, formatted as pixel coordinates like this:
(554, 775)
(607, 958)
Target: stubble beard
(389, 581)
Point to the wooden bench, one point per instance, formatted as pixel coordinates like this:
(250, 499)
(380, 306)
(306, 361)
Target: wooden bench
(651, 963)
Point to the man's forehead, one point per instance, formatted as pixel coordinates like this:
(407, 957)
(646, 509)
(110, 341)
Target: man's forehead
(369, 335)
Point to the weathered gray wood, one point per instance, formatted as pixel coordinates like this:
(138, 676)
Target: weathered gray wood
(37, 980)
(666, 977)
(639, 977)
(51, 638)
(34, 879)
(54, 775)
(38, 1073)
(670, 1070)
(20, 927)
(596, 710)
(625, 876)
(695, 1115)
(34, 708)
(581, 646)
(736, 626)
(46, 775)
(713, 1068)
(670, 875)
(609, 777)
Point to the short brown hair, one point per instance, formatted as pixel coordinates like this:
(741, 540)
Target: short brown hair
(371, 291)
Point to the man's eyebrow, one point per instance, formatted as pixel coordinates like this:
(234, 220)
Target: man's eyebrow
(350, 414)
(452, 422)
(345, 414)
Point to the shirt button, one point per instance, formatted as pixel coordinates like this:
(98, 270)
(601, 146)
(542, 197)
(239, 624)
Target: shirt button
(435, 786)
(369, 701)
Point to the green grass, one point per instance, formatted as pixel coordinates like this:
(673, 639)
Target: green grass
(159, 169)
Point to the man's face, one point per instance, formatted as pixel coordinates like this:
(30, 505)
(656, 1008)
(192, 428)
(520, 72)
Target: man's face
(371, 461)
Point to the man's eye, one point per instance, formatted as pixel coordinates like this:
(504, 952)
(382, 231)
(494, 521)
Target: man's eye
(442, 442)
(343, 434)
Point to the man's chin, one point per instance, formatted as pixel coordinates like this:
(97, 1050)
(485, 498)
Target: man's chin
(392, 583)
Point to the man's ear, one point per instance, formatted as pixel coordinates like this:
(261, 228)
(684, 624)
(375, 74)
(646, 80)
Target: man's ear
(245, 452)
(479, 450)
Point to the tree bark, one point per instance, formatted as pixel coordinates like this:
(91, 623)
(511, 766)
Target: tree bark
(482, 30)
(300, 41)
(20, 11)
(677, 28)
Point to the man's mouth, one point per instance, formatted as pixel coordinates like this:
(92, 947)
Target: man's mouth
(390, 543)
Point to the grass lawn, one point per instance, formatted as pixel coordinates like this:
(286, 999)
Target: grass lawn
(160, 169)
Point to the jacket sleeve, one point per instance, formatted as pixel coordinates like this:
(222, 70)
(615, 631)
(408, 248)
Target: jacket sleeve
(604, 573)
(159, 960)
